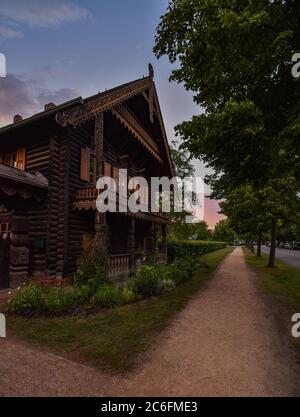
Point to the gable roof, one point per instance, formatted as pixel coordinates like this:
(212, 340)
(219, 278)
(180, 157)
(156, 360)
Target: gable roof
(79, 110)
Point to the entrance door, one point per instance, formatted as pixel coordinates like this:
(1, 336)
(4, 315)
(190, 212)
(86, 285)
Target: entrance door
(4, 262)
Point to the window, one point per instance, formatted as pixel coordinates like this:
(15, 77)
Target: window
(5, 230)
(20, 159)
(107, 169)
(15, 159)
(88, 166)
(85, 165)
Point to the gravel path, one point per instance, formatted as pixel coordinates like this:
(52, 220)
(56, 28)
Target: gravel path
(225, 343)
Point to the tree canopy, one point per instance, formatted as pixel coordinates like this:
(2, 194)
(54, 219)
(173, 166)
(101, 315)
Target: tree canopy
(236, 58)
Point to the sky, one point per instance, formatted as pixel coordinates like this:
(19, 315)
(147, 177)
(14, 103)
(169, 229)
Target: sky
(59, 49)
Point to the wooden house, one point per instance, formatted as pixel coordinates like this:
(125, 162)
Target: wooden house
(49, 165)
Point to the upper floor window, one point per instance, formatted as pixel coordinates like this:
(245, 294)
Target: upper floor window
(15, 159)
(5, 230)
(87, 166)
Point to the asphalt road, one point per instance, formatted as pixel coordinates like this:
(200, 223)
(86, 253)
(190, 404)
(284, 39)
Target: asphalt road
(290, 257)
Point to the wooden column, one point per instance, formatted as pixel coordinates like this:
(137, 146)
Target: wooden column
(99, 144)
(164, 231)
(54, 221)
(100, 218)
(131, 243)
(101, 228)
(63, 212)
(19, 250)
(151, 238)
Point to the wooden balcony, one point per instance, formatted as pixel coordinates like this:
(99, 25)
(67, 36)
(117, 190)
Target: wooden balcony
(86, 197)
(86, 193)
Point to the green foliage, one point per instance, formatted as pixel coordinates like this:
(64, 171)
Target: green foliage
(147, 281)
(29, 298)
(236, 57)
(180, 230)
(114, 339)
(223, 232)
(128, 295)
(108, 296)
(58, 301)
(188, 248)
(34, 299)
(92, 271)
(182, 162)
(167, 285)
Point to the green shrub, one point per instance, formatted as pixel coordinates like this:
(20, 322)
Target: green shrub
(34, 299)
(167, 285)
(92, 271)
(58, 301)
(108, 296)
(128, 296)
(90, 275)
(164, 272)
(147, 281)
(29, 299)
(188, 248)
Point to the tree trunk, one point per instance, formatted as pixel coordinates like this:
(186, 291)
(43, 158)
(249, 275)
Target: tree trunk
(252, 246)
(271, 263)
(259, 238)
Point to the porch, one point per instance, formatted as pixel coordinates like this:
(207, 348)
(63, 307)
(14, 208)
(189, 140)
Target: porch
(119, 265)
(134, 239)
(20, 191)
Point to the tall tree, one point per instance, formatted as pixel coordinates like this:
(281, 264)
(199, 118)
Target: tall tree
(236, 57)
(224, 233)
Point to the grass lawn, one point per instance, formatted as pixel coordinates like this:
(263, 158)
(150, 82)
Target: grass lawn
(283, 282)
(113, 339)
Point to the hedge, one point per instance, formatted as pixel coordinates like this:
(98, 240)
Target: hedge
(183, 248)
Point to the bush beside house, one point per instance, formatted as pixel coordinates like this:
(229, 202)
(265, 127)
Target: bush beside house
(93, 289)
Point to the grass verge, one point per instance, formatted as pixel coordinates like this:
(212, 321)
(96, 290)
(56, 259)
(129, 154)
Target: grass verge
(283, 282)
(114, 339)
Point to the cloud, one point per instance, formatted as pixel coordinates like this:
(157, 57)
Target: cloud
(26, 98)
(7, 32)
(41, 13)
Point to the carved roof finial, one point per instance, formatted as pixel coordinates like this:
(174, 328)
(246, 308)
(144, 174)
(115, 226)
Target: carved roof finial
(151, 71)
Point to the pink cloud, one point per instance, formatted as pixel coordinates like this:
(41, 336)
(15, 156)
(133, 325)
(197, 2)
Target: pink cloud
(26, 98)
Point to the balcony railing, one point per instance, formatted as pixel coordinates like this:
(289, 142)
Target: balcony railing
(118, 265)
(90, 193)
(87, 193)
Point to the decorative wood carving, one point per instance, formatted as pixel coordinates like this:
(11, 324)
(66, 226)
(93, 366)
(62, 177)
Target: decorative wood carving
(137, 130)
(100, 103)
(162, 125)
(99, 142)
(12, 191)
(151, 94)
